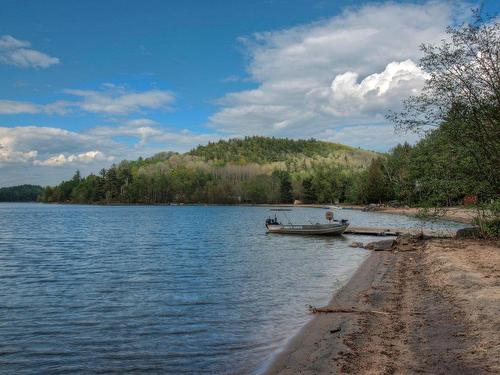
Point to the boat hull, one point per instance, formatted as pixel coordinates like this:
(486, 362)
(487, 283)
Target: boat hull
(322, 229)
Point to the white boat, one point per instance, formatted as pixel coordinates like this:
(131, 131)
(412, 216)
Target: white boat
(332, 207)
(332, 228)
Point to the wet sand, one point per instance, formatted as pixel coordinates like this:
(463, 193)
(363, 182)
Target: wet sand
(428, 307)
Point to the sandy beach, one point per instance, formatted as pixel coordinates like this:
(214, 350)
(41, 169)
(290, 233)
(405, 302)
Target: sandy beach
(428, 307)
(457, 214)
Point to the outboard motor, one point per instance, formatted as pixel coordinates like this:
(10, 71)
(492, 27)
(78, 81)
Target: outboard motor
(271, 221)
(268, 221)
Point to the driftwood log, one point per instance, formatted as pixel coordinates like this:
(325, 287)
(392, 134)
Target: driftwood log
(328, 310)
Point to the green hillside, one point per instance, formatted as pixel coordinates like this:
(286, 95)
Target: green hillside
(263, 150)
(253, 170)
(21, 193)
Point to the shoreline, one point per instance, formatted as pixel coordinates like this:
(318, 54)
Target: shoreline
(430, 306)
(294, 354)
(456, 214)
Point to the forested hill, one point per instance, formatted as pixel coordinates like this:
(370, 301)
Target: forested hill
(252, 170)
(263, 150)
(21, 193)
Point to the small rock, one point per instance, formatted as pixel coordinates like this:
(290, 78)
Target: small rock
(405, 247)
(356, 244)
(383, 245)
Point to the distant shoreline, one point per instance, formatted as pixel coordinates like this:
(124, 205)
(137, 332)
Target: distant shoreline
(456, 214)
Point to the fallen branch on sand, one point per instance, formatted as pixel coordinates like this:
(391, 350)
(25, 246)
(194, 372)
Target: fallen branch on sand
(316, 310)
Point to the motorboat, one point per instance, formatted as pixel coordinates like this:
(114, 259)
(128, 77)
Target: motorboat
(332, 228)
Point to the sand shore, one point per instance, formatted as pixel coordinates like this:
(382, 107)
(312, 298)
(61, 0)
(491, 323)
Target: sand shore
(458, 214)
(433, 308)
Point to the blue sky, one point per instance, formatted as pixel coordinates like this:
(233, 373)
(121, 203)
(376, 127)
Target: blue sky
(190, 47)
(84, 84)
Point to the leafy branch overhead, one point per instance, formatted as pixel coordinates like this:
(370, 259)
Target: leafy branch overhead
(461, 98)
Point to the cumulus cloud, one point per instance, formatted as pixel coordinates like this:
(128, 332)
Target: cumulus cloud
(44, 155)
(30, 144)
(11, 156)
(62, 159)
(344, 71)
(47, 155)
(346, 97)
(18, 52)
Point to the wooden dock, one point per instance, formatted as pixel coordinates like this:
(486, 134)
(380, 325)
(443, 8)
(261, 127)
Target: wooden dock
(384, 231)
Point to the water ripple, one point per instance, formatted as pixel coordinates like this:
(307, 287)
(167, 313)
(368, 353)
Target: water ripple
(89, 289)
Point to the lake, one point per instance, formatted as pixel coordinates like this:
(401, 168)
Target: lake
(162, 289)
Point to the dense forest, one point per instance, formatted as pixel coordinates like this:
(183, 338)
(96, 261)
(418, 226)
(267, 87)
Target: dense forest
(263, 150)
(249, 170)
(458, 156)
(21, 193)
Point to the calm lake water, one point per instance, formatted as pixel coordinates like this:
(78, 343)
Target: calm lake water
(161, 289)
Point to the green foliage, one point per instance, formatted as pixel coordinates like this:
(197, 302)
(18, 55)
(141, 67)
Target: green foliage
(21, 193)
(461, 101)
(286, 194)
(488, 219)
(491, 228)
(310, 194)
(376, 189)
(264, 150)
(250, 170)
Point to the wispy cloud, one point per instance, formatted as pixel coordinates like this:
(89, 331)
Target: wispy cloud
(18, 52)
(12, 107)
(118, 101)
(109, 101)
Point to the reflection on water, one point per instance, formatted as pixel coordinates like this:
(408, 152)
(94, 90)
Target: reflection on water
(159, 289)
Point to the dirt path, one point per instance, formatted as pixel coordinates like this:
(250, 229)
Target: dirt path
(443, 301)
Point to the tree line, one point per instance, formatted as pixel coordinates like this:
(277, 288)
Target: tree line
(187, 178)
(20, 193)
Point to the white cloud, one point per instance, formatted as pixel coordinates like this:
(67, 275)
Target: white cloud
(45, 155)
(168, 139)
(141, 122)
(342, 72)
(379, 137)
(17, 52)
(109, 101)
(374, 94)
(27, 144)
(10, 107)
(10, 156)
(119, 102)
(62, 159)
